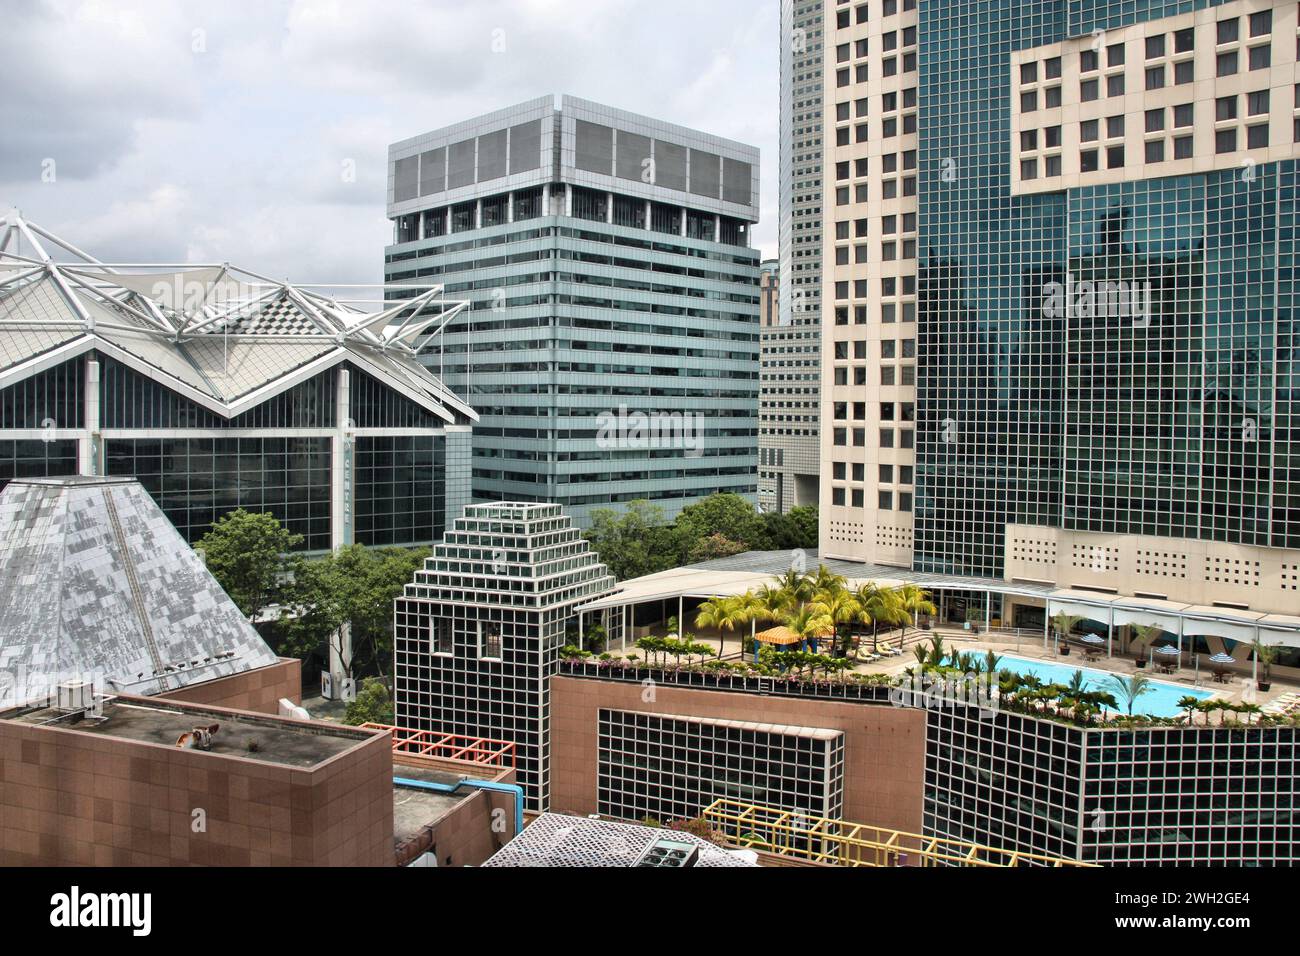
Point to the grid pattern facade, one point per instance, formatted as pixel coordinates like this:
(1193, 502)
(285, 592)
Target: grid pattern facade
(478, 632)
(789, 409)
(869, 261)
(1194, 796)
(672, 768)
(278, 457)
(1173, 422)
(615, 275)
(802, 41)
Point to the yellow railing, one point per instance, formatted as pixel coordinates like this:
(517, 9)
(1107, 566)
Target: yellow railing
(838, 843)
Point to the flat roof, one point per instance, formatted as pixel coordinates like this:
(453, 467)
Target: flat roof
(274, 740)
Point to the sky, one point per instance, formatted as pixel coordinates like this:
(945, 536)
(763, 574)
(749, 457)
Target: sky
(256, 131)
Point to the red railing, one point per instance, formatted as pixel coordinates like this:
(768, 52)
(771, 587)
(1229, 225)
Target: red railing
(428, 743)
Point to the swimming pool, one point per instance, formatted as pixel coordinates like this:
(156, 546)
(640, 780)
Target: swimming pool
(1160, 701)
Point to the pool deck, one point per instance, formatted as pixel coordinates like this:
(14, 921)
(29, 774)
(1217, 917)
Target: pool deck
(964, 642)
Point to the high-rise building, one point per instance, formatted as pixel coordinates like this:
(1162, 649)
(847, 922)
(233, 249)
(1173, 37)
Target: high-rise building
(611, 346)
(479, 631)
(801, 125)
(220, 389)
(1059, 320)
(788, 405)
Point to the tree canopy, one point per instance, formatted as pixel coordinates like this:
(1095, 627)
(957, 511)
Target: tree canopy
(245, 551)
(638, 540)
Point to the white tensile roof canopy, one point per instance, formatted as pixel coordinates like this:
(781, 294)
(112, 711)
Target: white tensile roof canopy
(224, 337)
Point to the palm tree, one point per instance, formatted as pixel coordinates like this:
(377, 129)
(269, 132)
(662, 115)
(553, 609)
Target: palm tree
(1189, 704)
(1063, 624)
(1129, 689)
(913, 601)
(878, 606)
(766, 605)
(1075, 687)
(1147, 633)
(722, 614)
(808, 624)
(799, 587)
(840, 605)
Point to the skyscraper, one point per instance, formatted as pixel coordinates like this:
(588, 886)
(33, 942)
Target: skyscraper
(1060, 317)
(611, 345)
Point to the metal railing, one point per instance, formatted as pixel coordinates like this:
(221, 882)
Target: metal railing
(838, 843)
(428, 743)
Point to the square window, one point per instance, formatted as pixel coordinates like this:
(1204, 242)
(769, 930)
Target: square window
(1225, 141)
(1052, 166)
(1184, 72)
(1088, 162)
(1155, 46)
(1225, 108)
(1261, 23)
(1155, 120)
(1182, 147)
(1089, 90)
(1088, 61)
(1261, 57)
(1257, 103)
(1155, 151)
(1114, 126)
(1115, 85)
(1029, 101)
(1227, 31)
(1115, 54)
(1226, 64)
(1029, 72)
(1028, 139)
(1088, 131)
(1052, 68)
(1185, 40)
(1114, 157)
(1257, 136)
(1052, 137)
(1155, 77)
(1052, 97)
(1029, 169)
(1184, 114)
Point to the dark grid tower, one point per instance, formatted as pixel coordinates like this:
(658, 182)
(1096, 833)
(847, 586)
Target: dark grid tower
(478, 632)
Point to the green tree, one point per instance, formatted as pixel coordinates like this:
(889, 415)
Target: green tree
(1129, 689)
(913, 602)
(354, 586)
(372, 705)
(246, 553)
(722, 614)
(726, 514)
(715, 546)
(636, 541)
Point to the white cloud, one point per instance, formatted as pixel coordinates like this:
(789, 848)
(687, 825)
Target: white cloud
(237, 150)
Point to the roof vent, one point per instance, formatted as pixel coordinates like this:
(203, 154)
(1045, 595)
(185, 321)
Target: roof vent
(669, 854)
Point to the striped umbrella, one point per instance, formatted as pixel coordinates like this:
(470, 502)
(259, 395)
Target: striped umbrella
(1222, 658)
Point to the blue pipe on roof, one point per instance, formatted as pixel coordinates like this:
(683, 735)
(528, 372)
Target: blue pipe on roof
(513, 789)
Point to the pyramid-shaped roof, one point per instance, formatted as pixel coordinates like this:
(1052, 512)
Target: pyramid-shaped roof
(96, 584)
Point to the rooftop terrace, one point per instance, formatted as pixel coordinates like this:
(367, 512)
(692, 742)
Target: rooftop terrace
(267, 740)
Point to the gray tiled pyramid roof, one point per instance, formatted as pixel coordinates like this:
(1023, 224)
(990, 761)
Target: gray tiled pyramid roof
(95, 582)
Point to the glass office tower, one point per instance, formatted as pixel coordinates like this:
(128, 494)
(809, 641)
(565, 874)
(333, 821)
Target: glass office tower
(611, 346)
(1103, 343)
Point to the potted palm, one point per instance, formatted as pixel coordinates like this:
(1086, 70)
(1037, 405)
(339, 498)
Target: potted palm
(1265, 656)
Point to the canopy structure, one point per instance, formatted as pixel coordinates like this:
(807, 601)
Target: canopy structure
(779, 636)
(224, 337)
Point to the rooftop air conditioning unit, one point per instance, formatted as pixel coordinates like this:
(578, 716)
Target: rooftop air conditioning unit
(73, 695)
(669, 854)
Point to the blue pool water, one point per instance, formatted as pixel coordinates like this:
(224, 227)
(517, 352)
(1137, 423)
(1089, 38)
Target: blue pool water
(1160, 701)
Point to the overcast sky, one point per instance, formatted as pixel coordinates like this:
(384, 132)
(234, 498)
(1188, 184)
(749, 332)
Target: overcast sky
(222, 131)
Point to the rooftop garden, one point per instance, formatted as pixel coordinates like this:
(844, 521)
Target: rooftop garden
(831, 626)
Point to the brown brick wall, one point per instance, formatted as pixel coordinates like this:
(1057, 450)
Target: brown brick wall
(73, 798)
(884, 747)
(257, 690)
